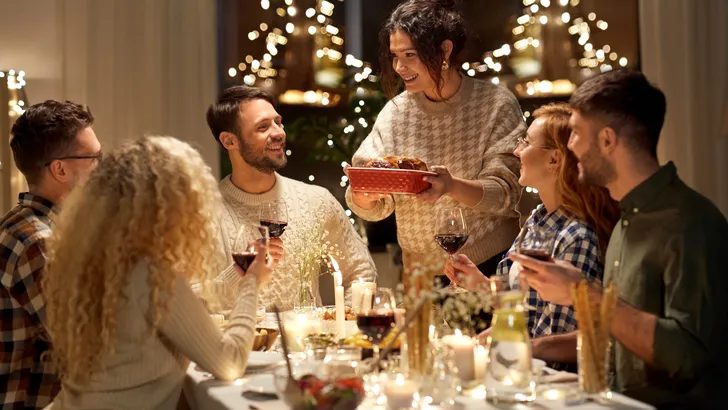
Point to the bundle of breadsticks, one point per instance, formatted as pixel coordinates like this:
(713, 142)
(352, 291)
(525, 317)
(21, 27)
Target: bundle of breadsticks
(593, 319)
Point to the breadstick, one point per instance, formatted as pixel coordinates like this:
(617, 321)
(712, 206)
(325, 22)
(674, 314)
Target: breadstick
(588, 317)
(581, 307)
(609, 302)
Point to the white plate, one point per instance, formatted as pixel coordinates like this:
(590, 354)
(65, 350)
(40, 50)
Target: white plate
(259, 360)
(262, 383)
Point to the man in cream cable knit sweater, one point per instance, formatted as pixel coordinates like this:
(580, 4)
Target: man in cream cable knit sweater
(245, 122)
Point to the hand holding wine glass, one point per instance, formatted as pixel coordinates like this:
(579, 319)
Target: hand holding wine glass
(251, 257)
(274, 215)
(451, 232)
(260, 266)
(463, 272)
(536, 242)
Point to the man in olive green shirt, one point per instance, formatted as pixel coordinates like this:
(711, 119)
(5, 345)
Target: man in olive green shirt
(667, 255)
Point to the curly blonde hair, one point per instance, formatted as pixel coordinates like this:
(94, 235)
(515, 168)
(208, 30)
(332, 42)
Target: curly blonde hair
(153, 200)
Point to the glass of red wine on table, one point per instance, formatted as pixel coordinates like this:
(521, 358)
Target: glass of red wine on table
(451, 231)
(244, 251)
(538, 243)
(274, 215)
(376, 318)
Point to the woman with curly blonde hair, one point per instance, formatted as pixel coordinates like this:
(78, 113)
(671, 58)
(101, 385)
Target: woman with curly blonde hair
(580, 217)
(122, 317)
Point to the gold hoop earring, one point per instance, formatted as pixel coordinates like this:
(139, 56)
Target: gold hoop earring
(445, 66)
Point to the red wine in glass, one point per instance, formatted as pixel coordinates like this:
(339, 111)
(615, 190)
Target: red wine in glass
(451, 242)
(274, 215)
(244, 259)
(275, 227)
(375, 326)
(536, 254)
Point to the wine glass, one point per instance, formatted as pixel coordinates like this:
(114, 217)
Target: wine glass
(451, 231)
(274, 215)
(244, 252)
(376, 317)
(538, 243)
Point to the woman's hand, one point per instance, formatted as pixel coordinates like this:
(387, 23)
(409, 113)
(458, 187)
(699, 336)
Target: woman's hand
(364, 200)
(463, 272)
(441, 184)
(261, 267)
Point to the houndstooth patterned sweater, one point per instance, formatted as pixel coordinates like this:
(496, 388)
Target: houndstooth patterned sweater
(473, 134)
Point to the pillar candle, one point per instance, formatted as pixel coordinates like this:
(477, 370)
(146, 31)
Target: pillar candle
(463, 351)
(481, 358)
(339, 300)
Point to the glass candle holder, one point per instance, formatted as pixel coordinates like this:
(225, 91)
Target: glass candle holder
(401, 392)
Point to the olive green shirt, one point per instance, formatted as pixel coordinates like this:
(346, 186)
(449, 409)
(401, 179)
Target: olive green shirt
(667, 256)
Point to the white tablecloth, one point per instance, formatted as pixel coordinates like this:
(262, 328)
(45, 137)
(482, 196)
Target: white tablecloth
(205, 393)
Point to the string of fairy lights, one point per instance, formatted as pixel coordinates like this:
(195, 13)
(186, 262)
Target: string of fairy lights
(318, 21)
(16, 83)
(275, 33)
(544, 12)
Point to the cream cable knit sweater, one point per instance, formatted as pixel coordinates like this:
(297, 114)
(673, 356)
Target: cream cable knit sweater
(314, 217)
(147, 371)
(474, 135)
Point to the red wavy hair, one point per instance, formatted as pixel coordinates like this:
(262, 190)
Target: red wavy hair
(589, 203)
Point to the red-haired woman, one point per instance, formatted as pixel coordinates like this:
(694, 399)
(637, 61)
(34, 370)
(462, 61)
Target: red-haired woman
(580, 216)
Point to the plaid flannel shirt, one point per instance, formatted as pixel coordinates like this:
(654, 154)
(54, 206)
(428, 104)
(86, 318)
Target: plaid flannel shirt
(26, 380)
(575, 242)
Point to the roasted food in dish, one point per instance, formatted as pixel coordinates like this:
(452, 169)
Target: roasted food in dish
(392, 162)
(359, 340)
(330, 314)
(383, 162)
(412, 163)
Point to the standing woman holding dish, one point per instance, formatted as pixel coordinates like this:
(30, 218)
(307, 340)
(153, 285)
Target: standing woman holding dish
(464, 128)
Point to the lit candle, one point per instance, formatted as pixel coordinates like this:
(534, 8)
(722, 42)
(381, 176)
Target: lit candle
(401, 393)
(463, 349)
(357, 293)
(481, 358)
(298, 328)
(339, 300)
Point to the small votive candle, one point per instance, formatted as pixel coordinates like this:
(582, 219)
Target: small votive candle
(401, 393)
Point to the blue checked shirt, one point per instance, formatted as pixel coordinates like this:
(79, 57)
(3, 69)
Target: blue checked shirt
(575, 242)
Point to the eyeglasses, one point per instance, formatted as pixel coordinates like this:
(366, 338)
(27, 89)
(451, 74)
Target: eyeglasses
(524, 142)
(98, 157)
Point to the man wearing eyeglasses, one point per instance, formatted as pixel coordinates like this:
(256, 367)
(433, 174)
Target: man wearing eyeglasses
(55, 148)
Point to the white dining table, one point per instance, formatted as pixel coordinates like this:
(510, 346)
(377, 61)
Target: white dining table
(204, 392)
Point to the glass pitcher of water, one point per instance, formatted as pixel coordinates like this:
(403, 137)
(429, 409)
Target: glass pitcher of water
(508, 376)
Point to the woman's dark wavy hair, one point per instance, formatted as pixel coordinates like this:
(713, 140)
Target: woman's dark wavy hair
(428, 23)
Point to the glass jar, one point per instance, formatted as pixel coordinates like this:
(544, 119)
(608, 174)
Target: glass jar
(508, 376)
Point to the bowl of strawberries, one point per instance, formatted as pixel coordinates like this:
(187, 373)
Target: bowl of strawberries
(344, 392)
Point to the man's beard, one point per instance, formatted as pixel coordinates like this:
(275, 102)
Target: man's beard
(261, 161)
(595, 169)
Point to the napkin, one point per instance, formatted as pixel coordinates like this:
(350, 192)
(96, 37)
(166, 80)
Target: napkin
(558, 377)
